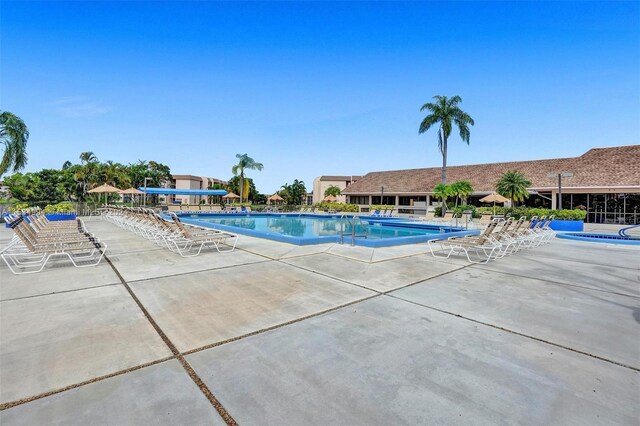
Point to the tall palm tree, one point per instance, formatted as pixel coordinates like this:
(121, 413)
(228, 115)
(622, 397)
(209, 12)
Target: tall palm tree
(513, 185)
(13, 135)
(244, 162)
(446, 112)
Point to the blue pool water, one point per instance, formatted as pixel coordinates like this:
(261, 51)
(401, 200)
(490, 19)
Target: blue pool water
(303, 229)
(599, 238)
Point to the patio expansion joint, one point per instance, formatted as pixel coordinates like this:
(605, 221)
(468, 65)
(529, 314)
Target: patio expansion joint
(551, 282)
(281, 325)
(517, 333)
(11, 404)
(59, 292)
(176, 353)
(199, 271)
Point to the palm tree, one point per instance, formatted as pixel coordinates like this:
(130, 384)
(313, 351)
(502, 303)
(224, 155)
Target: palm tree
(86, 173)
(332, 190)
(446, 112)
(13, 135)
(245, 162)
(442, 192)
(461, 189)
(513, 185)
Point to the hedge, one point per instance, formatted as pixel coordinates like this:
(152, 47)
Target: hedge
(528, 212)
(339, 207)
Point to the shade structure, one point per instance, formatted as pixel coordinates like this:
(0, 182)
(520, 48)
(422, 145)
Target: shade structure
(275, 197)
(131, 191)
(230, 196)
(330, 199)
(104, 189)
(176, 191)
(494, 198)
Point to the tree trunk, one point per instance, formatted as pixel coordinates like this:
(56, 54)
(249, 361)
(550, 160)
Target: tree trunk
(241, 186)
(444, 158)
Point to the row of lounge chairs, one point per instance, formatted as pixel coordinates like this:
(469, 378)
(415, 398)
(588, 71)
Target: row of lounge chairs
(37, 240)
(184, 239)
(500, 238)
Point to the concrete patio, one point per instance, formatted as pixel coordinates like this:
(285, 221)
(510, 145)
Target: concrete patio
(279, 334)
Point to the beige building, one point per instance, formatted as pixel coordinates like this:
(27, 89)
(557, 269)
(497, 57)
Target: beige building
(603, 181)
(190, 182)
(321, 183)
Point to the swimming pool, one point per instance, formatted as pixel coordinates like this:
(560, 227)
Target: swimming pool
(305, 229)
(599, 238)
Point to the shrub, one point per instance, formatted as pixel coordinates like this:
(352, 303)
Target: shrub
(527, 212)
(59, 208)
(18, 207)
(339, 207)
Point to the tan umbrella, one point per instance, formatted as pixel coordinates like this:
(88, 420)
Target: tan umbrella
(230, 196)
(275, 198)
(131, 191)
(494, 198)
(330, 199)
(104, 189)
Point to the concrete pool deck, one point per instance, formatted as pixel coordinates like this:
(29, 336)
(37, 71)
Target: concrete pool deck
(280, 334)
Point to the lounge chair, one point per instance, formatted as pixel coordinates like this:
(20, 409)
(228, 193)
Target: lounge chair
(33, 254)
(482, 246)
(197, 238)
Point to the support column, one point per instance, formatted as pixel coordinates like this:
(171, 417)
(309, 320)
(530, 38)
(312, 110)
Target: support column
(554, 199)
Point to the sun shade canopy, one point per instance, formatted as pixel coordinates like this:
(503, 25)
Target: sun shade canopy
(174, 191)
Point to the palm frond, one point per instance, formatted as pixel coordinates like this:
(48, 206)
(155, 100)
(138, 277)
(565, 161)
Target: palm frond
(428, 121)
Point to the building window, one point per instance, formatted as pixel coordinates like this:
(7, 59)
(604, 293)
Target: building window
(359, 199)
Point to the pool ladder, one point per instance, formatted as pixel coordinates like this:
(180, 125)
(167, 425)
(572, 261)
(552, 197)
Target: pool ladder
(353, 220)
(624, 231)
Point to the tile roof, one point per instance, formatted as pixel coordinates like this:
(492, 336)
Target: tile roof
(598, 167)
(340, 178)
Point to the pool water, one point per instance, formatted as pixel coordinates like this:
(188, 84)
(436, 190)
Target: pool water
(314, 229)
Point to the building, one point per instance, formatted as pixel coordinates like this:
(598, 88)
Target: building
(190, 182)
(320, 184)
(603, 181)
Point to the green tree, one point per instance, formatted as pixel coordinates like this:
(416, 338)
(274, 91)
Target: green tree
(461, 189)
(249, 187)
(332, 190)
(446, 112)
(244, 163)
(13, 135)
(442, 192)
(292, 194)
(513, 185)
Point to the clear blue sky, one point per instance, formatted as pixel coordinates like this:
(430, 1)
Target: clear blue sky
(315, 88)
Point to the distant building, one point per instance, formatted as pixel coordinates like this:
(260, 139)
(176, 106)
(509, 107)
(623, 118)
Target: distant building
(190, 182)
(604, 181)
(320, 184)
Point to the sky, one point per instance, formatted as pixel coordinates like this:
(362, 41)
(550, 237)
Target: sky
(317, 88)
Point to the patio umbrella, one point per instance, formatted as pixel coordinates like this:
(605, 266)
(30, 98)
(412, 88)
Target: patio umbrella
(274, 198)
(230, 196)
(330, 199)
(131, 191)
(104, 189)
(495, 198)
